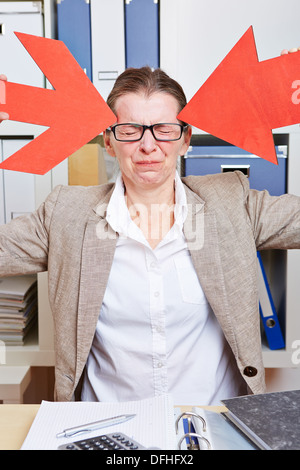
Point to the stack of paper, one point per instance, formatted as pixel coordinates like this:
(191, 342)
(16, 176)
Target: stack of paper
(18, 308)
(153, 425)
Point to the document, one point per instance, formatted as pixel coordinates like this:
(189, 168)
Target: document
(153, 425)
(18, 308)
(218, 432)
(267, 310)
(270, 420)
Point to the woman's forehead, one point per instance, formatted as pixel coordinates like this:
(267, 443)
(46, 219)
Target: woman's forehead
(141, 104)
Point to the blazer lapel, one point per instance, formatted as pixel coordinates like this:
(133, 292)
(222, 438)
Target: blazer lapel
(200, 229)
(97, 255)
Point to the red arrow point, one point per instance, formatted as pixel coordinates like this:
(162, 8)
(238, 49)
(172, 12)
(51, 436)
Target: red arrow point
(243, 100)
(222, 106)
(260, 142)
(74, 111)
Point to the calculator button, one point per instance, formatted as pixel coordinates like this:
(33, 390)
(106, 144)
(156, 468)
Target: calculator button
(115, 441)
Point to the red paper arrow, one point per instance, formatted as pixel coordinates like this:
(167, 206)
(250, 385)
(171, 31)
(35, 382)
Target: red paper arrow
(243, 99)
(75, 112)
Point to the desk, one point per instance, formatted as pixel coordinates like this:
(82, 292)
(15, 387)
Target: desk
(15, 422)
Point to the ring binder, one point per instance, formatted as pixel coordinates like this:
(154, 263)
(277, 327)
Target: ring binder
(192, 446)
(190, 413)
(269, 420)
(267, 310)
(192, 443)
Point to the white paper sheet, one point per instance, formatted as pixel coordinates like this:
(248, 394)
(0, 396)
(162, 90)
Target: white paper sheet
(153, 425)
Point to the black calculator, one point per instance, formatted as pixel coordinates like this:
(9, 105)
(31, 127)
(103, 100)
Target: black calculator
(113, 441)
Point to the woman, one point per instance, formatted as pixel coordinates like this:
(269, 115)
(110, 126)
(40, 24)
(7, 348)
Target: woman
(151, 263)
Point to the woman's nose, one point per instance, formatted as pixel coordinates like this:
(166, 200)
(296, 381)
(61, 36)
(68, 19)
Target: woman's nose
(148, 142)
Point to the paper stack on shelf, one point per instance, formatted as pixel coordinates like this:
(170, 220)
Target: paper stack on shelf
(18, 308)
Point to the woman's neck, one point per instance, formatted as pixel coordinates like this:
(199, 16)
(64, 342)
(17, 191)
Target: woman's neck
(152, 210)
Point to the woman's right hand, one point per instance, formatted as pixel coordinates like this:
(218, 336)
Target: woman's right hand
(3, 115)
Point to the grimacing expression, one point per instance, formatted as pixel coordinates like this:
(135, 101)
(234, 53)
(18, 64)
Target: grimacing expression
(147, 162)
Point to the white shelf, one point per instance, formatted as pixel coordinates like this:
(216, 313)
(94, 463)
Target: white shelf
(29, 354)
(38, 348)
(278, 359)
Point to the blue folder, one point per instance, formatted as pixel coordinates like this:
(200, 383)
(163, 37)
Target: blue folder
(142, 33)
(204, 160)
(74, 29)
(267, 310)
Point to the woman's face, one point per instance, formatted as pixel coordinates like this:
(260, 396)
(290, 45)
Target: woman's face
(148, 162)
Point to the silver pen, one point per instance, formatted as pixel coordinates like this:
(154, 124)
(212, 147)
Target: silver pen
(95, 425)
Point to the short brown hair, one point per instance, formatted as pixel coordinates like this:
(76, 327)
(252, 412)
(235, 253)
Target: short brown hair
(144, 79)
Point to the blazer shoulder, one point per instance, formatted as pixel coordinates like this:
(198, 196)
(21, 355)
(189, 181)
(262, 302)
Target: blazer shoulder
(225, 185)
(82, 195)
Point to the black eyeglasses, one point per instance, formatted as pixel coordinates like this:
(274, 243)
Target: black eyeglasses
(164, 132)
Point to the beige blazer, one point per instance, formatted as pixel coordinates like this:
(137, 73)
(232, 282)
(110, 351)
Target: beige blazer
(226, 224)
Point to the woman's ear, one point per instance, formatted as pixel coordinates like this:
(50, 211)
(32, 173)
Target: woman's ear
(107, 143)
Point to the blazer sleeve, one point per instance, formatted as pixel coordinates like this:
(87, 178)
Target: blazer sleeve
(24, 241)
(275, 220)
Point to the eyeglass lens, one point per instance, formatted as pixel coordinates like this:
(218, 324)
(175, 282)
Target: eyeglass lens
(132, 132)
